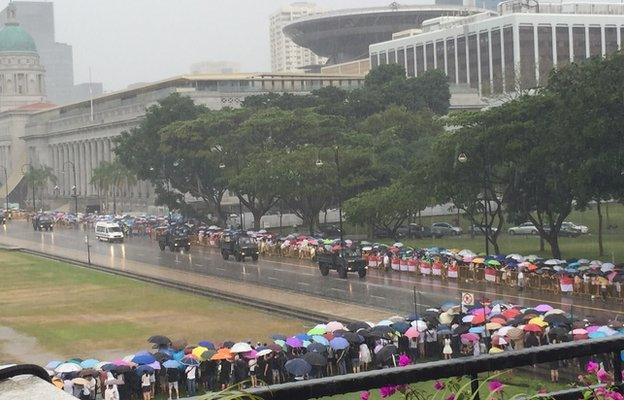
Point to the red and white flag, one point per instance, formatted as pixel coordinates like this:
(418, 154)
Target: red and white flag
(490, 274)
(453, 271)
(396, 264)
(566, 283)
(411, 265)
(372, 261)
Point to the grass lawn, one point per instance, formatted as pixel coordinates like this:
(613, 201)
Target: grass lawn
(585, 246)
(74, 312)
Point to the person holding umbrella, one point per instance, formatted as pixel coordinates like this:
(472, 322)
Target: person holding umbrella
(173, 376)
(146, 386)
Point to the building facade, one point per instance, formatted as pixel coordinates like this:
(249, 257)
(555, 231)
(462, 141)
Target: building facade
(501, 54)
(286, 56)
(83, 133)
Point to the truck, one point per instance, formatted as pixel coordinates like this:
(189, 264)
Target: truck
(176, 238)
(239, 246)
(341, 261)
(43, 222)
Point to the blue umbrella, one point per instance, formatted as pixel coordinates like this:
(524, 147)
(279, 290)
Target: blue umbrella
(303, 337)
(171, 364)
(448, 305)
(143, 359)
(207, 344)
(108, 367)
(476, 329)
(321, 340)
(597, 335)
(279, 337)
(178, 355)
(339, 343)
(53, 364)
(298, 367)
(189, 360)
(89, 363)
(141, 369)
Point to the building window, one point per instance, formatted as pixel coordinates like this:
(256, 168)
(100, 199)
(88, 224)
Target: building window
(429, 56)
(595, 41)
(497, 62)
(383, 58)
(439, 49)
(611, 39)
(578, 40)
(450, 60)
(420, 60)
(544, 46)
(484, 47)
(374, 60)
(473, 61)
(410, 62)
(527, 57)
(563, 45)
(391, 57)
(462, 72)
(401, 57)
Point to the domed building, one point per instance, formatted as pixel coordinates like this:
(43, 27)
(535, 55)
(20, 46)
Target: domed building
(22, 77)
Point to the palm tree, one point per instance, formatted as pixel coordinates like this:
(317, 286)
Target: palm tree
(100, 178)
(38, 178)
(112, 176)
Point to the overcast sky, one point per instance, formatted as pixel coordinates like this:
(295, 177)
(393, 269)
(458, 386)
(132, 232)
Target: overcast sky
(128, 41)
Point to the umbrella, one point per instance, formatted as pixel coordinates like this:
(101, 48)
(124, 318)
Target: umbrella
(162, 356)
(468, 318)
(515, 334)
(171, 364)
(532, 328)
(317, 348)
(597, 335)
(401, 327)
(492, 326)
(264, 352)
(543, 308)
(222, 354)
(494, 263)
(469, 338)
(579, 331)
(159, 340)
(87, 372)
(385, 322)
(155, 365)
(448, 305)
(74, 361)
(179, 344)
(207, 344)
(558, 333)
(294, 342)
(303, 337)
(385, 353)
(315, 359)
(279, 337)
(80, 381)
(242, 347)
(477, 329)
(353, 338)
(499, 340)
(89, 363)
(67, 367)
(142, 369)
(556, 319)
(420, 325)
(207, 355)
(334, 326)
(317, 330)
(478, 319)
(445, 318)
(298, 367)
(412, 333)
(198, 351)
(143, 359)
(357, 325)
(53, 364)
(339, 343)
(444, 330)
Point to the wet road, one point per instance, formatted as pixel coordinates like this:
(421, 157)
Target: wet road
(392, 290)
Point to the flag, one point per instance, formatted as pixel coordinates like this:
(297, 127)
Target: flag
(490, 274)
(453, 271)
(403, 265)
(396, 264)
(372, 261)
(566, 283)
(411, 265)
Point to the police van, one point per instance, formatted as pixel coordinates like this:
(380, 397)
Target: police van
(109, 232)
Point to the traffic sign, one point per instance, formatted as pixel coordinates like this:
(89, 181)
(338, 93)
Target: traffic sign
(467, 299)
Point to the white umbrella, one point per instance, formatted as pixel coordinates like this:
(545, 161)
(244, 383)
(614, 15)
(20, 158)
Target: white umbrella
(98, 366)
(552, 261)
(264, 352)
(516, 257)
(67, 367)
(607, 267)
(241, 347)
(467, 253)
(420, 325)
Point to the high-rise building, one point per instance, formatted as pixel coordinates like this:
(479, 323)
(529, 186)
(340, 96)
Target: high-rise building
(286, 56)
(37, 18)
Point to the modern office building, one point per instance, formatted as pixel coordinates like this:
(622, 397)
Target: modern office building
(514, 50)
(343, 36)
(286, 56)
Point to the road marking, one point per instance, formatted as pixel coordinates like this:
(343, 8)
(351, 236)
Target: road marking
(199, 265)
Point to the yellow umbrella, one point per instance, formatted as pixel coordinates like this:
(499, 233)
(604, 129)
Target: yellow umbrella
(478, 260)
(490, 326)
(445, 318)
(198, 351)
(538, 321)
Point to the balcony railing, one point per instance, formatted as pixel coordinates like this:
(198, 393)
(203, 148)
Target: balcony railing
(469, 366)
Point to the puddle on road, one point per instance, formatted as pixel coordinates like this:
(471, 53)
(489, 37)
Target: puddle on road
(20, 348)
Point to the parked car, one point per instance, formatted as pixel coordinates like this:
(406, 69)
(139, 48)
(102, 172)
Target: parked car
(445, 229)
(565, 231)
(478, 230)
(581, 228)
(526, 228)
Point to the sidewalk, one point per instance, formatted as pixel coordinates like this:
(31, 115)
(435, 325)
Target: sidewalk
(280, 298)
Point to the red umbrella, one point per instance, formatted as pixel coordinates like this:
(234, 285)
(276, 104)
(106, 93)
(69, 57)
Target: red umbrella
(511, 313)
(499, 320)
(478, 319)
(532, 328)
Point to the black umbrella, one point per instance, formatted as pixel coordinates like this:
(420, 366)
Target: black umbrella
(352, 338)
(120, 369)
(401, 327)
(315, 359)
(228, 344)
(355, 326)
(159, 340)
(87, 372)
(386, 353)
(461, 329)
(162, 356)
(557, 319)
(298, 367)
(317, 348)
(558, 334)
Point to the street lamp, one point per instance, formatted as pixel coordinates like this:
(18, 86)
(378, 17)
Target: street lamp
(463, 158)
(74, 188)
(86, 240)
(33, 184)
(6, 187)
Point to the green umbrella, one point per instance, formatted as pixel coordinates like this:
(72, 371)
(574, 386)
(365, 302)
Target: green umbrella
(319, 330)
(493, 262)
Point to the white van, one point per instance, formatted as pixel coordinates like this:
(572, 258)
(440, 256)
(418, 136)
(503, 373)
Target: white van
(109, 231)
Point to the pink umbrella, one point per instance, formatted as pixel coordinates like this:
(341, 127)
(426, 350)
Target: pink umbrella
(543, 308)
(469, 338)
(592, 328)
(250, 355)
(579, 331)
(412, 332)
(119, 361)
(294, 342)
(480, 311)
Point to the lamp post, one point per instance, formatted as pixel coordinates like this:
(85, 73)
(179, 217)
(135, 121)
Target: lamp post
(75, 187)
(86, 240)
(319, 163)
(463, 158)
(30, 167)
(6, 187)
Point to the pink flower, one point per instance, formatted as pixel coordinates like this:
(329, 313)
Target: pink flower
(615, 396)
(592, 367)
(451, 397)
(387, 391)
(602, 375)
(495, 386)
(364, 395)
(404, 360)
(438, 385)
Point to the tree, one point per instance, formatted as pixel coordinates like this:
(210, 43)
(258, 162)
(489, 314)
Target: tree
(38, 178)
(100, 178)
(386, 208)
(384, 74)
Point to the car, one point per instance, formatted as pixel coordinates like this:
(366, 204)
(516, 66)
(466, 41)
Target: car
(43, 222)
(445, 229)
(565, 231)
(480, 230)
(176, 238)
(343, 262)
(239, 246)
(571, 225)
(526, 228)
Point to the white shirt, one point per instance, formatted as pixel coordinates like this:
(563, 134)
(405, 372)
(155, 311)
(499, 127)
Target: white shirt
(145, 381)
(111, 394)
(190, 372)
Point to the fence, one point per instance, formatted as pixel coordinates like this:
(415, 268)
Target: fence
(470, 367)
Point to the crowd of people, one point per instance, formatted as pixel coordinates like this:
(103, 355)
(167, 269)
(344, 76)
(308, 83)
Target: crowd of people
(450, 331)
